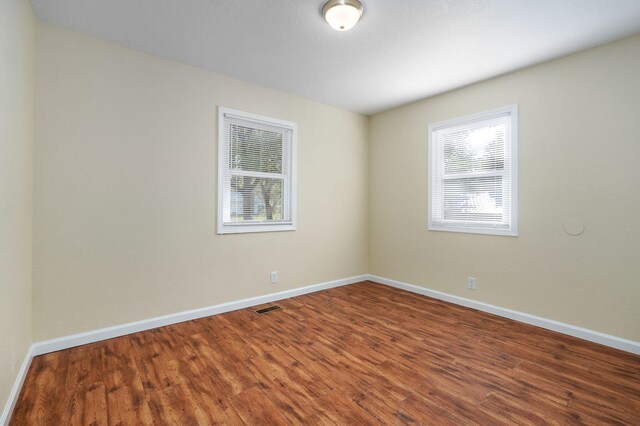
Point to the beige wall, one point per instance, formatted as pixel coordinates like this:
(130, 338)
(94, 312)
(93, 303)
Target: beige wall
(17, 49)
(125, 189)
(579, 121)
(125, 181)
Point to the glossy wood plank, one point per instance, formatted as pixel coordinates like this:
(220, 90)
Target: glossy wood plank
(359, 354)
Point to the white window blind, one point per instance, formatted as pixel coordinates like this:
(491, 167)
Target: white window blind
(256, 173)
(472, 173)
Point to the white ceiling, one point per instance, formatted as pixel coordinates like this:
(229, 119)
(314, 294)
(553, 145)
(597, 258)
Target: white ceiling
(401, 51)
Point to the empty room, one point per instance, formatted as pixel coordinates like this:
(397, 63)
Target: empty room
(330, 212)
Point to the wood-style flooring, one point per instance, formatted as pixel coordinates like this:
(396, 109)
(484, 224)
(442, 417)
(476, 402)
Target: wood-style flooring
(359, 354)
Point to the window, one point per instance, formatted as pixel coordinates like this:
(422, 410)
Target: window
(473, 173)
(256, 173)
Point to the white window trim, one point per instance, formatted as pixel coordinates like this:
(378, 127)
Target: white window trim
(241, 228)
(432, 161)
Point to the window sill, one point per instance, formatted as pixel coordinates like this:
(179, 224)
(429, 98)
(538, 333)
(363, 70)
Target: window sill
(246, 228)
(484, 231)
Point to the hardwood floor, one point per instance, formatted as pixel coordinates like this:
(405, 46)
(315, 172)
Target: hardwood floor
(360, 354)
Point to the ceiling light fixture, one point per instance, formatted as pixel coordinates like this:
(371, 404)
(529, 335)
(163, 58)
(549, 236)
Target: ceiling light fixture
(342, 15)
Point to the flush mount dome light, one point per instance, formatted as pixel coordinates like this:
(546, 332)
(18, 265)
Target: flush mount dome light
(342, 15)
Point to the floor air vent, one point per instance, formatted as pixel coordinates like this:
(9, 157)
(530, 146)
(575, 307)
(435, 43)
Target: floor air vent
(269, 309)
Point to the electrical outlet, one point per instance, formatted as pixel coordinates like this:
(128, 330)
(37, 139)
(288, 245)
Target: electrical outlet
(471, 283)
(274, 277)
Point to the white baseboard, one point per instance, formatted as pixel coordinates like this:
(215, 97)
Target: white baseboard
(15, 390)
(66, 342)
(572, 330)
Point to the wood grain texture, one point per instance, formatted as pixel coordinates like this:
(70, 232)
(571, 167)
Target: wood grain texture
(359, 354)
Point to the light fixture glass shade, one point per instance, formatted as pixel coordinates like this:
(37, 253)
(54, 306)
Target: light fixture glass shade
(342, 15)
